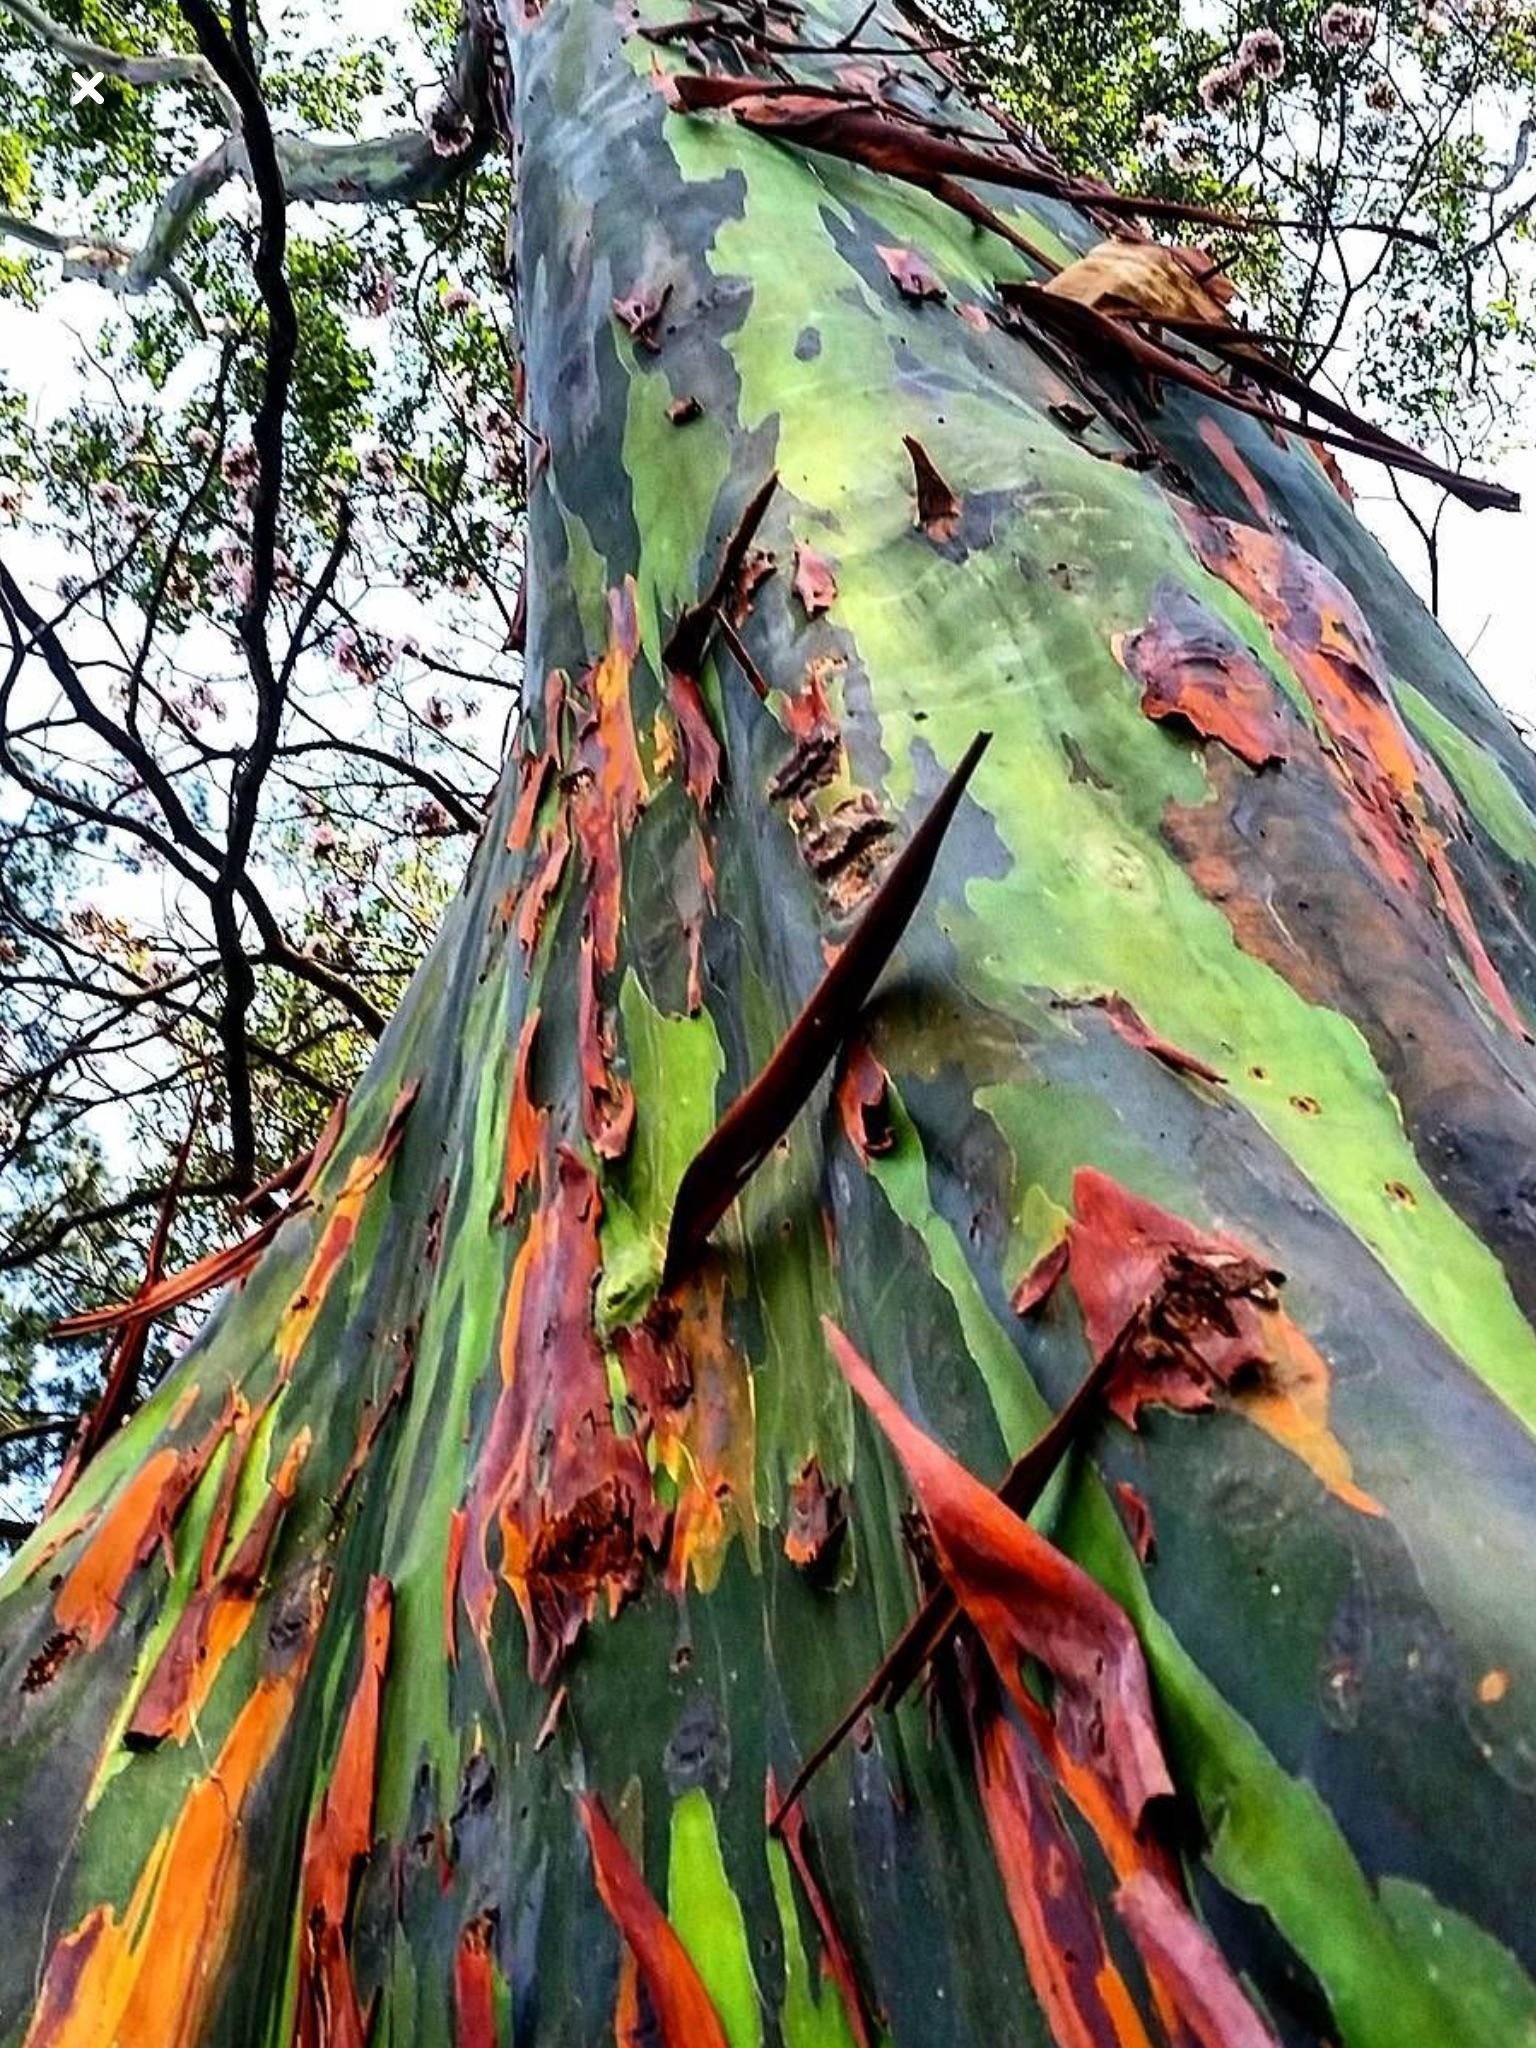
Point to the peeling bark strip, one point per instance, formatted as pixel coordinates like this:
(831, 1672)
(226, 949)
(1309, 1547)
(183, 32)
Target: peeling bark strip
(903, 1663)
(1191, 1320)
(1026, 1599)
(329, 2012)
(1082, 1994)
(1182, 1955)
(1128, 1023)
(525, 1123)
(938, 509)
(755, 1121)
(688, 642)
(684, 2013)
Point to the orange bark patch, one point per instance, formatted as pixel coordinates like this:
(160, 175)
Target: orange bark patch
(1198, 1323)
(474, 1985)
(338, 1232)
(329, 2013)
(525, 1123)
(555, 843)
(1388, 781)
(709, 1446)
(611, 788)
(150, 1976)
(571, 1499)
(684, 2013)
(453, 1564)
(1081, 1993)
(141, 1517)
(818, 1517)
(214, 1620)
(533, 780)
(214, 1269)
(1193, 668)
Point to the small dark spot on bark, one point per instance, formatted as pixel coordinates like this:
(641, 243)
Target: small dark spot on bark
(682, 410)
(699, 1752)
(44, 1667)
(1079, 767)
(808, 344)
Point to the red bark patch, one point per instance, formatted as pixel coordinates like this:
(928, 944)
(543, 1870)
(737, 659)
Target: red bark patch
(1040, 1280)
(608, 1101)
(863, 1102)
(329, 2012)
(909, 273)
(1081, 1993)
(836, 1961)
(1128, 1023)
(701, 750)
(571, 1500)
(525, 1123)
(1026, 1599)
(815, 584)
(1189, 1967)
(818, 1518)
(214, 1269)
(1192, 668)
(685, 2014)
(938, 509)
(1137, 1517)
(1192, 1321)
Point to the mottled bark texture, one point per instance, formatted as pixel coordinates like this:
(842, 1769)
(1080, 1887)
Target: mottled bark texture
(420, 1665)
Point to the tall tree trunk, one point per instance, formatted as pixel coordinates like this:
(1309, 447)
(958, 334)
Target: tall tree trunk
(425, 1656)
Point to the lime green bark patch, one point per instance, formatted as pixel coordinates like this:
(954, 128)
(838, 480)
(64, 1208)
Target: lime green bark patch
(1480, 780)
(804, 2020)
(709, 1920)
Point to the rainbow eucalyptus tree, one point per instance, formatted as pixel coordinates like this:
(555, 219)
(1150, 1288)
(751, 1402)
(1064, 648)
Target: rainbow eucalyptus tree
(1019, 1252)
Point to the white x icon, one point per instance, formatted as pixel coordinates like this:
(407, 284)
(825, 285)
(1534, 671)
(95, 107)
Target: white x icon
(87, 87)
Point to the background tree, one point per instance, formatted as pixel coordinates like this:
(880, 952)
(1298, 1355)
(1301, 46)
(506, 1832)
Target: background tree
(610, 1394)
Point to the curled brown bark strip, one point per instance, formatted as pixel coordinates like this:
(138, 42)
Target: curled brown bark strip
(1102, 339)
(1021, 1488)
(843, 124)
(686, 644)
(726, 1161)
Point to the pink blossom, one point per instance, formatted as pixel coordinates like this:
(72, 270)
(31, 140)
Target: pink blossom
(323, 842)
(439, 713)
(458, 299)
(200, 441)
(234, 566)
(110, 495)
(1221, 90)
(430, 817)
(1348, 28)
(1155, 131)
(379, 466)
(1262, 51)
(239, 465)
(13, 496)
(1381, 96)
